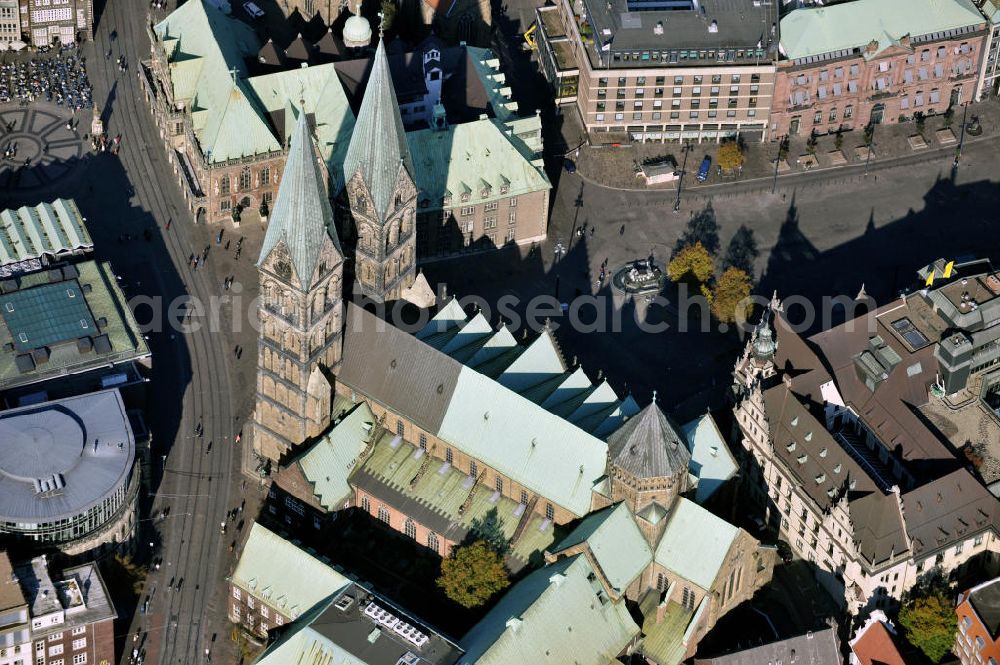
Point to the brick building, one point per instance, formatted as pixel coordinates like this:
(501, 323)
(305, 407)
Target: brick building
(662, 71)
(71, 615)
(854, 63)
(480, 184)
(226, 132)
(275, 582)
(978, 610)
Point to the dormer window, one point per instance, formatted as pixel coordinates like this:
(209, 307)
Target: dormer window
(465, 196)
(485, 192)
(504, 189)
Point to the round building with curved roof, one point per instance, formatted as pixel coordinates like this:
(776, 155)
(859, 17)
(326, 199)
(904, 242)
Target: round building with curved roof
(67, 472)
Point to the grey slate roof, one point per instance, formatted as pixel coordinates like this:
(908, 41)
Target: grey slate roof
(813, 648)
(86, 441)
(378, 147)
(302, 216)
(648, 446)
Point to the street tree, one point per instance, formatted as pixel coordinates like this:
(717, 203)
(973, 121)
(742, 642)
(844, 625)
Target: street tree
(730, 155)
(929, 623)
(473, 574)
(730, 298)
(742, 251)
(692, 264)
(703, 228)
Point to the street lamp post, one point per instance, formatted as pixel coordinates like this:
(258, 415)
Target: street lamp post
(871, 148)
(685, 148)
(961, 141)
(777, 161)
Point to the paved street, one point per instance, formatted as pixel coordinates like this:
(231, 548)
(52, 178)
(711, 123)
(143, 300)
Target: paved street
(124, 198)
(819, 234)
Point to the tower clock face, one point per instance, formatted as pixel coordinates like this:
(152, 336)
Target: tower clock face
(283, 268)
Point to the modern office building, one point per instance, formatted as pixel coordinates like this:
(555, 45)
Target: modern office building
(68, 478)
(652, 70)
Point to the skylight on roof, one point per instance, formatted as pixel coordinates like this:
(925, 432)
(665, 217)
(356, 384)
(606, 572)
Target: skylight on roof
(907, 331)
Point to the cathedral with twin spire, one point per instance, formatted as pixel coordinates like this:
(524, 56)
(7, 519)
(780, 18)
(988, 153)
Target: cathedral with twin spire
(302, 261)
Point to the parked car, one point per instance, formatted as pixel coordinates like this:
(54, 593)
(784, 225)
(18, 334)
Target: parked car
(706, 166)
(569, 165)
(253, 10)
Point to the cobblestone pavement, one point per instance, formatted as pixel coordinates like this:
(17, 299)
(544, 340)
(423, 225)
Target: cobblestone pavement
(616, 166)
(46, 150)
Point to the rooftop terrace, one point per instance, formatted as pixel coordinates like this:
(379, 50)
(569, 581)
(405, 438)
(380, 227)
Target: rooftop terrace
(60, 322)
(685, 33)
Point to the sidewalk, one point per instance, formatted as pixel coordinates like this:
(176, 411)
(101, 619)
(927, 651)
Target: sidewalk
(615, 167)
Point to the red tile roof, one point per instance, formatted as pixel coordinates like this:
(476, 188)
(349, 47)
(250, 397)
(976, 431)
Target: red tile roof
(876, 647)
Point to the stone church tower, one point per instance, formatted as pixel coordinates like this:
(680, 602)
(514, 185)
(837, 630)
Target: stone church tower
(381, 193)
(301, 308)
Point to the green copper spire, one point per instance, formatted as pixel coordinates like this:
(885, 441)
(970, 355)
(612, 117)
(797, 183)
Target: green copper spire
(378, 147)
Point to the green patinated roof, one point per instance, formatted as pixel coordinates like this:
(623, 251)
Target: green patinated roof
(106, 302)
(442, 490)
(302, 218)
(242, 117)
(557, 614)
(378, 148)
(47, 228)
(812, 31)
(664, 641)
(709, 455)
(991, 9)
(203, 46)
(487, 67)
(463, 157)
(282, 575)
(616, 543)
(695, 543)
(326, 103)
(328, 463)
(528, 447)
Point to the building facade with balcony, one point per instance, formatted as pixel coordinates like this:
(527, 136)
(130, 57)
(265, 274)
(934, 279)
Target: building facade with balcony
(662, 71)
(872, 61)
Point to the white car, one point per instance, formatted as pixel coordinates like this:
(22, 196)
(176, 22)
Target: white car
(253, 10)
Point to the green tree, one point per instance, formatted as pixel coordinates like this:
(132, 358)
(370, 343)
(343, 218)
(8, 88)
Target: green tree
(691, 264)
(489, 529)
(742, 251)
(729, 299)
(473, 574)
(929, 623)
(730, 155)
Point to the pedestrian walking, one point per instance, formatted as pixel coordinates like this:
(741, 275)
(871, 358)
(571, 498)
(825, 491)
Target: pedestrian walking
(621, 231)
